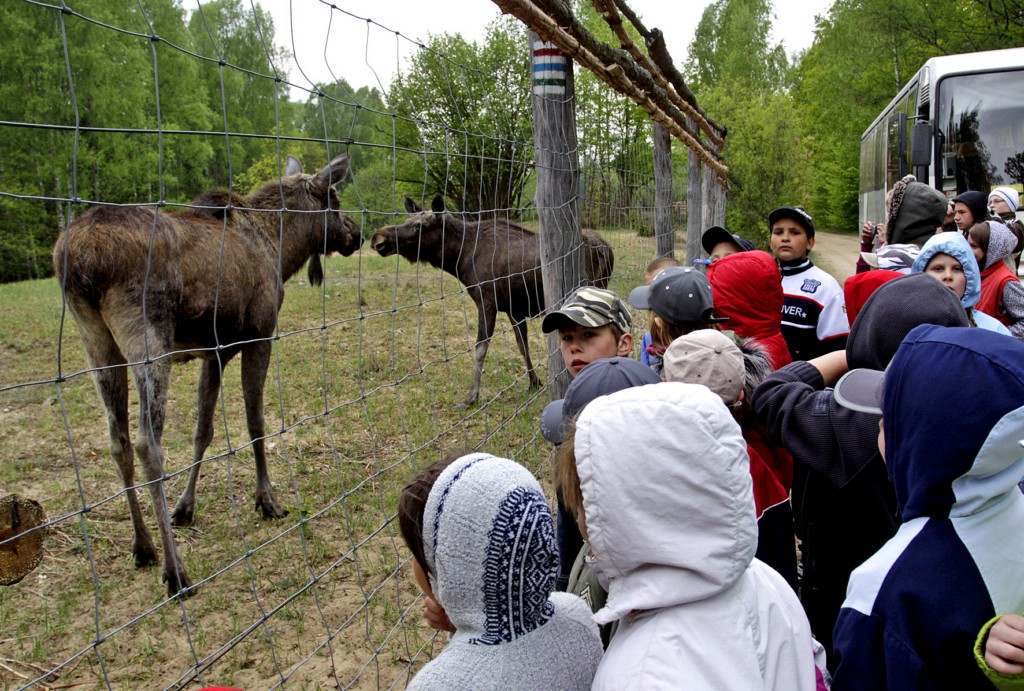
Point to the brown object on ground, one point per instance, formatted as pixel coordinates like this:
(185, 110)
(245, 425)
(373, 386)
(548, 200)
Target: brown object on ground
(148, 288)
(20, 555)
(499, 263)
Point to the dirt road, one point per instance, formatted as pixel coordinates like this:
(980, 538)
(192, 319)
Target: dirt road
(836, 253)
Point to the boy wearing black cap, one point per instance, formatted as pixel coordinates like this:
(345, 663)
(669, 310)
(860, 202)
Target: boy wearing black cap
(813, 311)
(718, 242)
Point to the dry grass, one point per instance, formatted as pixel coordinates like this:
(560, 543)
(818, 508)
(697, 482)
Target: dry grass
(360, 394)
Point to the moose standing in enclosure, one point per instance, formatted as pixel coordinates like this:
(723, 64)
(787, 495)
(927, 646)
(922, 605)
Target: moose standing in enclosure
(147, 289)
(499, 263)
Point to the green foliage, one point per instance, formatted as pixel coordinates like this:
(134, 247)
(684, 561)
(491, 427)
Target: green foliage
(62, 70)
(731, 44)
(742, 81)
(794, 132)
(464, 119)
(358, 121)
(243, 77)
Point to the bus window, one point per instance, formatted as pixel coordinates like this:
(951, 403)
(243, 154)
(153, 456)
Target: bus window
(983, 133)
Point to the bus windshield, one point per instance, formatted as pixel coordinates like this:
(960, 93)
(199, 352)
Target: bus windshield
(978, 117)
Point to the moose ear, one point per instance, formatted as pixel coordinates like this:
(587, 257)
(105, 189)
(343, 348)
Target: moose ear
(333, 173)
(292, 166)
(437, 206)
(411, 206)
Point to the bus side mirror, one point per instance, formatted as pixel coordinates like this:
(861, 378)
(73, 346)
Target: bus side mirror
(921, 144)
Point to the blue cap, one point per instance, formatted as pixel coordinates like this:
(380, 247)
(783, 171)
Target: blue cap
(597, 379)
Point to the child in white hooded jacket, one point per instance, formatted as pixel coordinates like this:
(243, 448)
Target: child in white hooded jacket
(658, 478)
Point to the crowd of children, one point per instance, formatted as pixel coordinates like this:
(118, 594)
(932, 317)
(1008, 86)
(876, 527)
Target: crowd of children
(876, 437)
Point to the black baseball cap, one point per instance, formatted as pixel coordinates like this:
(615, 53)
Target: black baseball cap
(716, 234)
(794, 212)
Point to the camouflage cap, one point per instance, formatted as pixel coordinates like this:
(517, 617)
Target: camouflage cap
(590, 306)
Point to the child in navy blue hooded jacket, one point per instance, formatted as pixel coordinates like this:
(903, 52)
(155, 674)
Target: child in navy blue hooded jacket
(843, 501)
(952, 404)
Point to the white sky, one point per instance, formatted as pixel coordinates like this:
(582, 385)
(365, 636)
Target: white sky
(330, 43)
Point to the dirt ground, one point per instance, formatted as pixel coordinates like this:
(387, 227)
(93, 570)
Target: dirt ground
(836, 253)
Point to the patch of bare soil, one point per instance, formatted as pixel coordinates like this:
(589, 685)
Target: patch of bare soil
(836, 253)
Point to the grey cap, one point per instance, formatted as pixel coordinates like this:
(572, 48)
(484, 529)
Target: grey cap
(679, 295)
(861, 390)
(590, 306)
(599, 378)
(707, 357)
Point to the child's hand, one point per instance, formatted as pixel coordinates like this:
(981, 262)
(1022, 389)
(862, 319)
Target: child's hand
(867, 233)
(435, 615)
(1004, 649)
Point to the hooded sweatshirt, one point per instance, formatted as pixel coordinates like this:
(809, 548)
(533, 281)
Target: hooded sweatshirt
(956, 246)
(670, 515)
(953, 412)
(914, 210)
(1002, 295)
(977, 202)
(747, 289)
(490, 542)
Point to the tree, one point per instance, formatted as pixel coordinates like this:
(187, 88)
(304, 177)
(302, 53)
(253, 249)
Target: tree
(244, 77)
(616, 145)
(122, 82)
(463, 119)
(863, 53)
(744, 81)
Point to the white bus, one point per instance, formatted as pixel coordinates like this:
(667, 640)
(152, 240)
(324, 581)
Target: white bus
(957, 125)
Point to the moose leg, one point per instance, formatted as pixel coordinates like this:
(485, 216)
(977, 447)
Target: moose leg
(206, 402)
(484, 330)
(151, 380)
(111, 378)
(524, 349)
(255, 361)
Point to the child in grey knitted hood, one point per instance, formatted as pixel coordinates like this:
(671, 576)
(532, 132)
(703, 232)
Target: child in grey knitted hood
(483, 546)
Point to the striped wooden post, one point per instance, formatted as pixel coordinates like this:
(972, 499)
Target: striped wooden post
(557, 164)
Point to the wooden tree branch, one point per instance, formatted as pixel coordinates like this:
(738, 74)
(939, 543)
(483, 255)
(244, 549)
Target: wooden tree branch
(559, 11)
(676, 89)
(614, 67)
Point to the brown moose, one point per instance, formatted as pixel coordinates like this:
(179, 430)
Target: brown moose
(499, 263)
(149, 288)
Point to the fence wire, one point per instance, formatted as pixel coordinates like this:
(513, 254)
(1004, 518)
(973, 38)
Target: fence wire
(147, 107)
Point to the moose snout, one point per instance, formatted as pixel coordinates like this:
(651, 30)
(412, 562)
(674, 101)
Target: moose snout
(379, 242)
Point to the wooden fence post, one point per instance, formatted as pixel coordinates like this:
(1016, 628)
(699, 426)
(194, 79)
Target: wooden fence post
(709, 199)
(664, 234)
(694, 203)
(557, 165)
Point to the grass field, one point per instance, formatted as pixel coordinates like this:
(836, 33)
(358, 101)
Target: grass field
(360, 394)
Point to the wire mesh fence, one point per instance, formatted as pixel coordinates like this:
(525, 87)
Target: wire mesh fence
(142, 110)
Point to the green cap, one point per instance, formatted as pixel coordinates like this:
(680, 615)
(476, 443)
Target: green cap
(590, 306)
